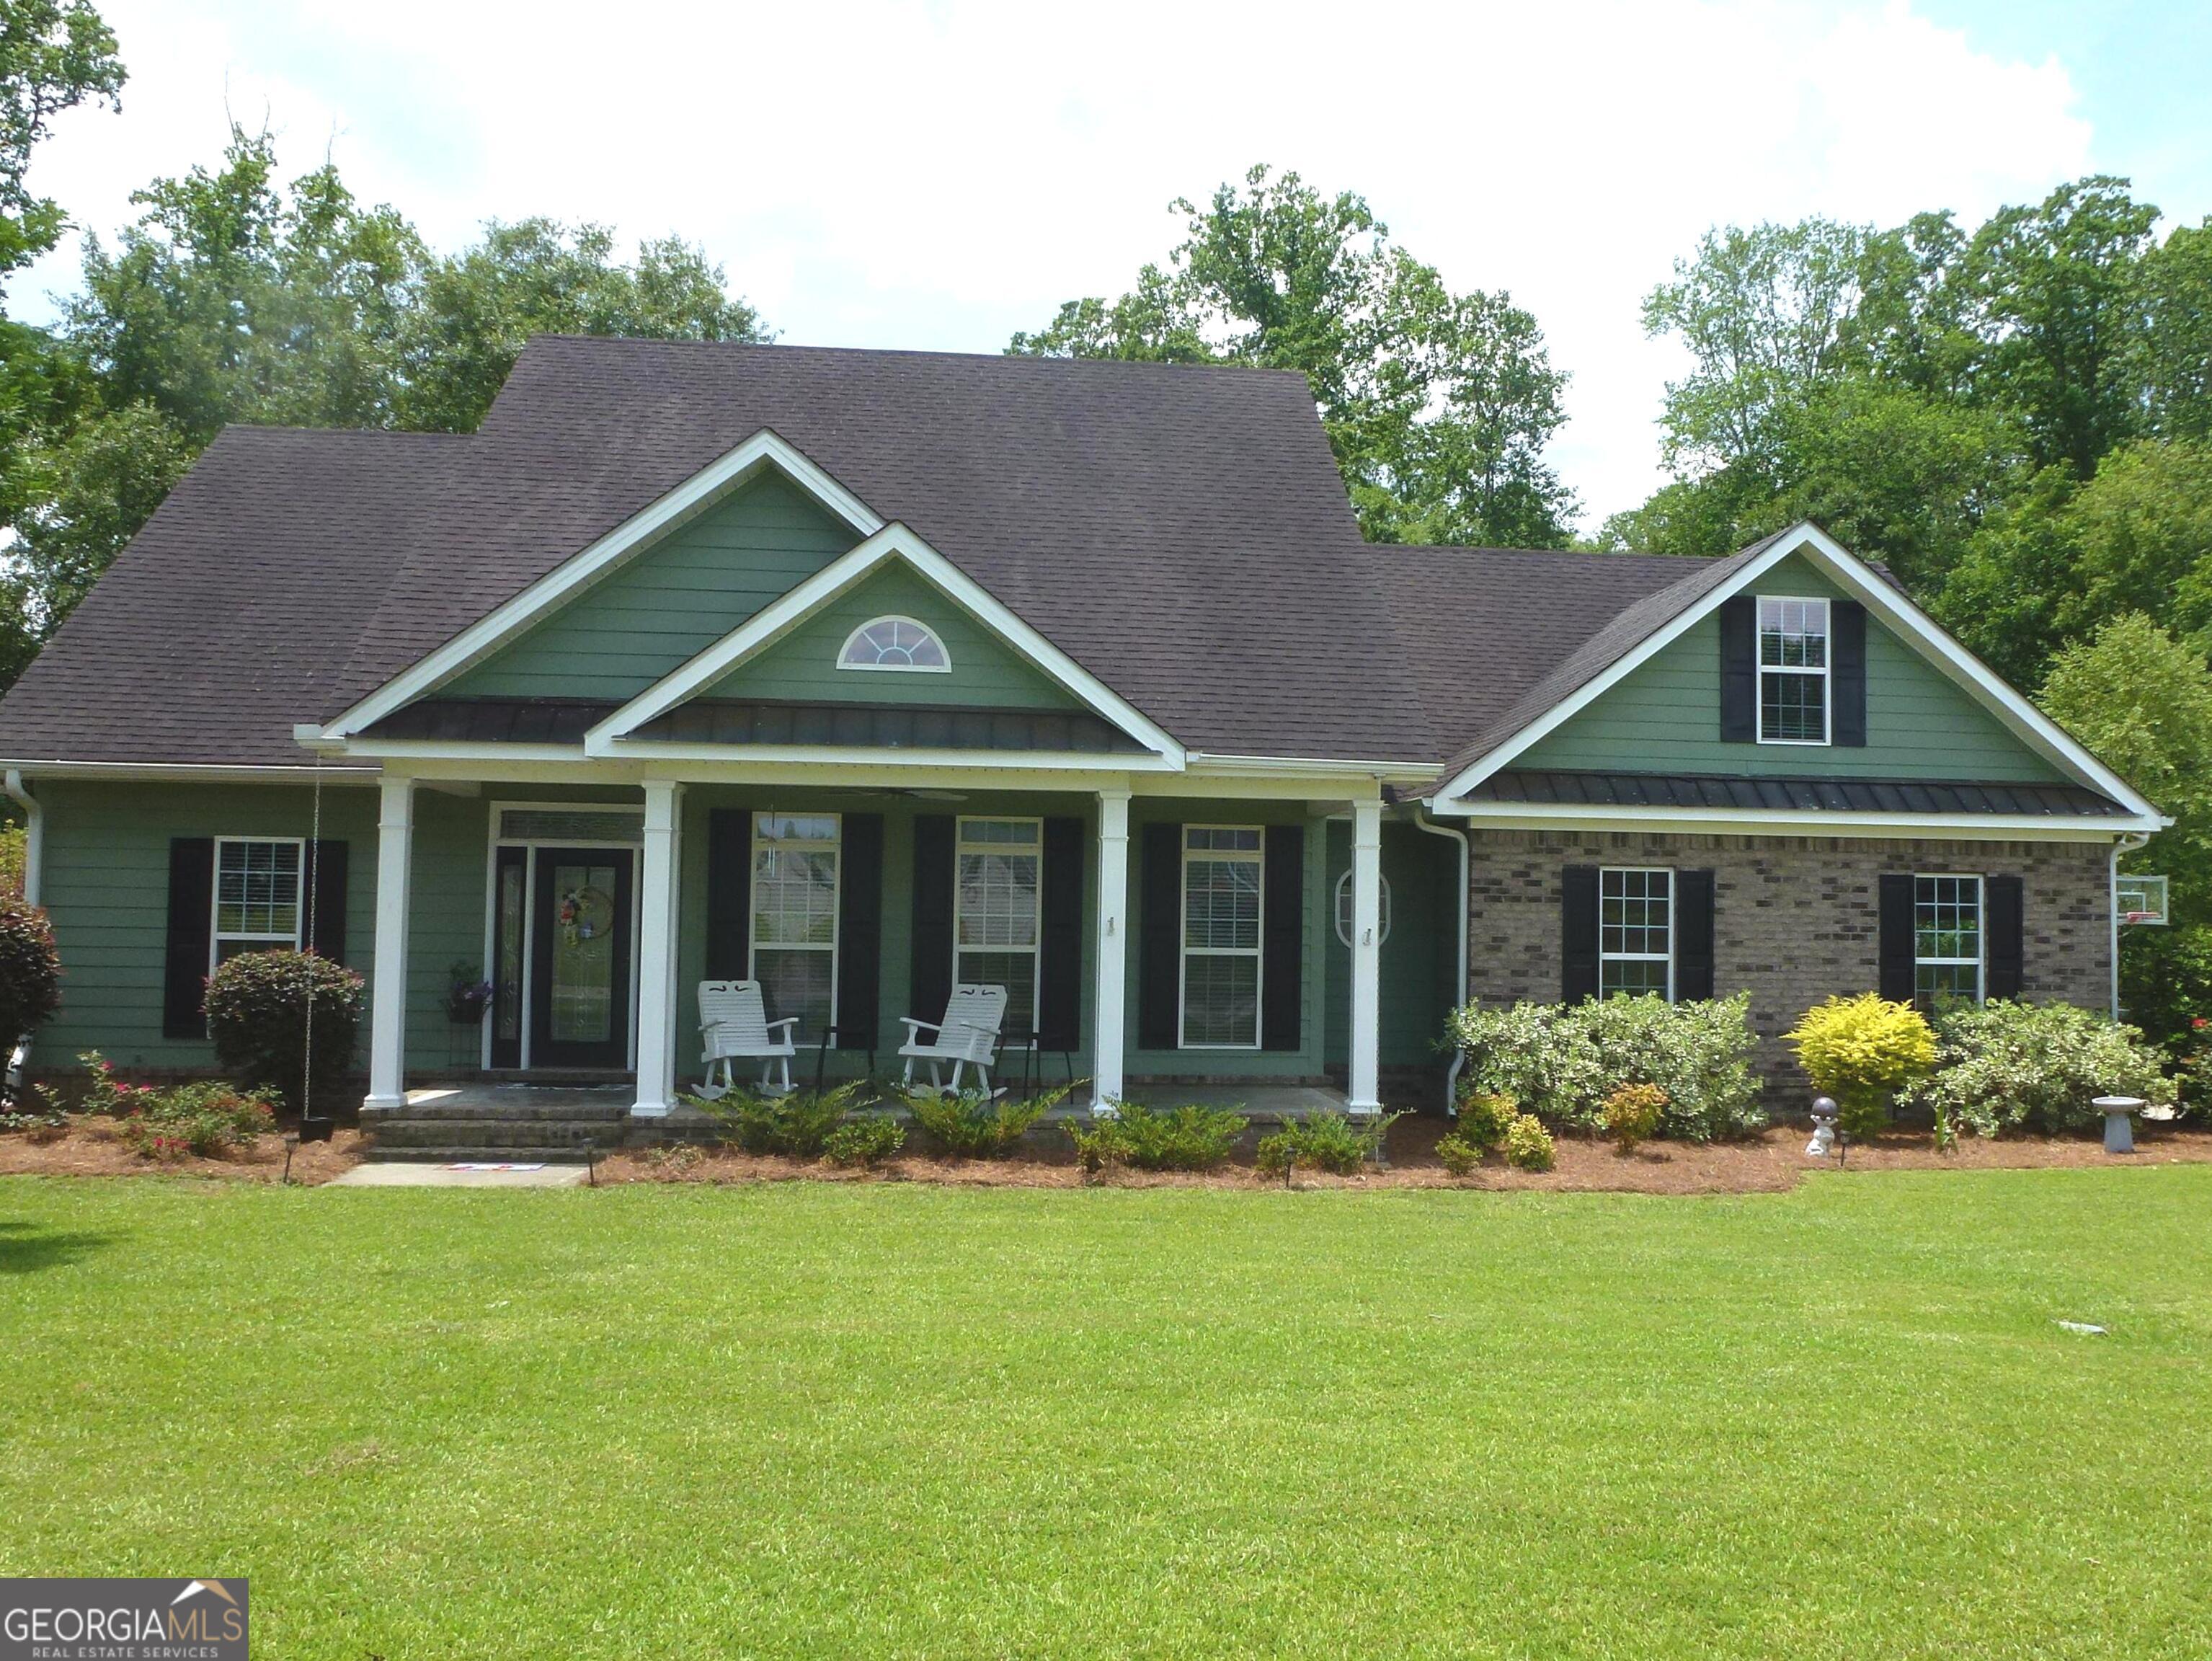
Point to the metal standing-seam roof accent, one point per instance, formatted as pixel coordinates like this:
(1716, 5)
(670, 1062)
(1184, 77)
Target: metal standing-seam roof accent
(1812, 795)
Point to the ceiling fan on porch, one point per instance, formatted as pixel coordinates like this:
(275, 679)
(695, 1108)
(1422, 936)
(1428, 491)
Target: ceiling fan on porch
(927, 795)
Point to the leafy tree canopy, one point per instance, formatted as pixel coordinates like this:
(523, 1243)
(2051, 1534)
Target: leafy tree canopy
(53, 57)
(1437, 405)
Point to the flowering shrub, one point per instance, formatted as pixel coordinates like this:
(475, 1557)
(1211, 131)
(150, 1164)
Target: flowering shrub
(1561, 1062)
(1862, 1051)
(206, 1119)
(1632, 1115)
(1528, 1146)
(2008, 1065)
(257, 1013)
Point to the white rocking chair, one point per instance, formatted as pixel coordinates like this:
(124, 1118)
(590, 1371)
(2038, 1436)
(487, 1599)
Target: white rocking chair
(967, 1037)
(734, 1025)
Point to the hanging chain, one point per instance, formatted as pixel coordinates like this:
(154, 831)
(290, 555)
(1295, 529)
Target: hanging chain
(306, 968)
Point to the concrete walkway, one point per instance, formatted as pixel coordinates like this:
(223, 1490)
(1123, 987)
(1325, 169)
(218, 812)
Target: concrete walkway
(400, 1173)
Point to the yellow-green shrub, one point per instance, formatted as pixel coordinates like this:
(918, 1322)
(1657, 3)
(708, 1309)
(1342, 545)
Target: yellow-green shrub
(1631, 1115)
(1862, 1051)
(1528, 1145)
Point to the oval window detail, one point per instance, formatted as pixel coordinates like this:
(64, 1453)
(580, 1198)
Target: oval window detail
(894, 642)
(1344, 909)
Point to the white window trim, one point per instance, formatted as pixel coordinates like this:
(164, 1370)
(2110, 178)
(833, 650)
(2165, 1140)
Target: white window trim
(1674, 920)
(1340, 909)
(1037, 930)
(1825, 674)
(216, 937)
(837, 897)
(1185, 951)
(943, 651)
(1981, 959)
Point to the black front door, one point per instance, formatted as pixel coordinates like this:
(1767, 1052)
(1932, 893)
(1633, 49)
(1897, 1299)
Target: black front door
(580, 970)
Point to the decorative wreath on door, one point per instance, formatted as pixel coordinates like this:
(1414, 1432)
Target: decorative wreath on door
(585, 914)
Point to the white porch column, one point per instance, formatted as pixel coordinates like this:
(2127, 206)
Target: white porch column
(387, 1007)
(657, 931)
(1366, 954)
(1109, 1028)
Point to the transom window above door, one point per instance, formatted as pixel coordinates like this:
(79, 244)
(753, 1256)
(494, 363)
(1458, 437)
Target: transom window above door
(996, 899)
(896, 643)
(1793, 671)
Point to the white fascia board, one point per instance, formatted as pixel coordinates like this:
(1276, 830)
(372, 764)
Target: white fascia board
(894, 541)
(156, 772)
(647, 752)
(1810, 821)
(1202, 761)
(1977, 679)
(764, 449)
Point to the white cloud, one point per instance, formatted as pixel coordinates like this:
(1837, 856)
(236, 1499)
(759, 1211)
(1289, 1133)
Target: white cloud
(940, 176)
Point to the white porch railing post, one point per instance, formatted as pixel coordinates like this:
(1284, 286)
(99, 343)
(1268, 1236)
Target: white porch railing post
(387, 1007)
(1366, 955)
(657, 934)
(1108, 1024)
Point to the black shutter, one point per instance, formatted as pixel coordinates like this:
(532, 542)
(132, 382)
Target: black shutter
(1847, 644)
(729, 893)
(860, 930)
(1897, 950)
(1740, 670)
(932, 981)
(1060, 975)
(1577, 933)
(1282, 928)
(1160, 951)
(184, 963)
(326, 877)
(2004, 901)
(1693, 934)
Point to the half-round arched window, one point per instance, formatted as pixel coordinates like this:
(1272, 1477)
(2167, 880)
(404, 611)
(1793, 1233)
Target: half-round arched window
(894, 642)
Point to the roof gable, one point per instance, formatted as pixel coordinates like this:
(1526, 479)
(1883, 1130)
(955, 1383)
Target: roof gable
(1646, 630)
(895, 549)
(983, 670)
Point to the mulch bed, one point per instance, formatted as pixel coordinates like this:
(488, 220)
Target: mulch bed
(1772, 1161)
(91, 1147)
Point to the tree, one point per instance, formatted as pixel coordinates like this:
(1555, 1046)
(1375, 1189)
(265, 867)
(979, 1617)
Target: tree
(477, 308)
(53, 57)
(2178, 332)
(1437, 406)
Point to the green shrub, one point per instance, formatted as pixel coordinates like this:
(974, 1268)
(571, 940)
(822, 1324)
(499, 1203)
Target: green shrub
(1099, 1144)
(974, 1125)
(1862, 1051)
(1483, 1117)
(1187, 1138)
(798, 1124)
(1528, 1146)
(1560, 1061)
(30, 973)
(1460, 1153)
(2040, 1066)
(2166, 990)
(206, 1119)
(1334, 1142)
(865, 1141)
(257, 1013)
(1631, 1115)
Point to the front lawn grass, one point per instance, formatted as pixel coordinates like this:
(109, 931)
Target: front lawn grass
(884, 1419)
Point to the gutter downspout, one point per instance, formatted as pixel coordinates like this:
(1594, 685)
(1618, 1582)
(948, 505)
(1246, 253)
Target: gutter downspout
(34, 844)
(2126, 842)
(34, 831)
(1459, 987)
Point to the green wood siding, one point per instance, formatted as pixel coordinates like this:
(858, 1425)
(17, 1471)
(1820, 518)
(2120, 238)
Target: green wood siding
(1420, 957)
(669, 602)
(1665, 717)
(985, 672)
(106, 885)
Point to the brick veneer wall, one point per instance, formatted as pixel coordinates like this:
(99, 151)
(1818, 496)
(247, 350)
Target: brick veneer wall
(1793, 918)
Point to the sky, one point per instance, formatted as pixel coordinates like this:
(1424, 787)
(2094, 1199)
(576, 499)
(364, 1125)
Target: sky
(938, 176)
